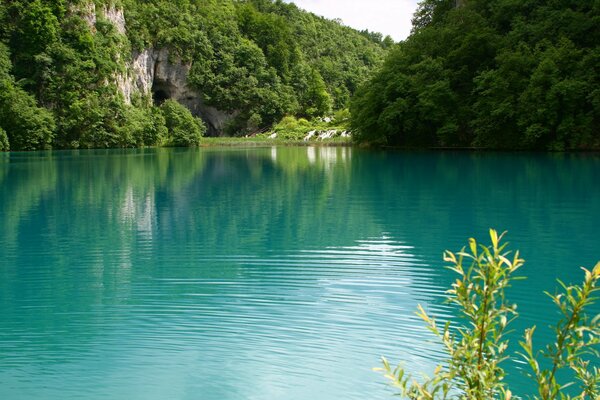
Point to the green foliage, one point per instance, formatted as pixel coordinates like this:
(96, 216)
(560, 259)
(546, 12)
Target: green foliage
(291, 122)
(576, 336)
(317, 100)
(293, 129)
(5, 64)
(478, 346)
(183, 128)
(27, 126)
(430, 12)
(92, 121)
(254, 122)
(36, 28)
(144, 127)
(66, 66)
(256, 60)
(272, 34)
(4, 145)
(23, 125)
(490, 73)
(342, 115)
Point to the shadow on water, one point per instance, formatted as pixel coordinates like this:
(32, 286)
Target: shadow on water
(267, 272)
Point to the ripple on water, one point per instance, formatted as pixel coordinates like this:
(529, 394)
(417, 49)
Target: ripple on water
(262, 273)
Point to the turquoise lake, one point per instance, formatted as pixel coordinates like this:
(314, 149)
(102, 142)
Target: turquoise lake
(264, 273)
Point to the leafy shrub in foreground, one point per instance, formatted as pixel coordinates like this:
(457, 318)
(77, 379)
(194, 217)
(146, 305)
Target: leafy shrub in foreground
(477, 349)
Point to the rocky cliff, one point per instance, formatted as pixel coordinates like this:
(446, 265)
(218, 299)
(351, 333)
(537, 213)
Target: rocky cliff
(156, 74)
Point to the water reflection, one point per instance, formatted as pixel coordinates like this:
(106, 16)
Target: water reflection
(258, 273)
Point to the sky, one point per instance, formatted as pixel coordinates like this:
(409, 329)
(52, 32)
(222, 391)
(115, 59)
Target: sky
(390, 17)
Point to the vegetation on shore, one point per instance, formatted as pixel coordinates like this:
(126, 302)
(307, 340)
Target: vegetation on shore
(495, 74)
(258, 60)
(321, 129)
(500, 74)
(258, 141)
(478, 346)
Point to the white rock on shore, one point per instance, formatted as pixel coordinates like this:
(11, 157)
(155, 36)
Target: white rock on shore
(309, 136)
(327, 134)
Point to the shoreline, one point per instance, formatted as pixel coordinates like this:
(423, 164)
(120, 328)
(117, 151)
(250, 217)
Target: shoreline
(212, 142)
(260, 142)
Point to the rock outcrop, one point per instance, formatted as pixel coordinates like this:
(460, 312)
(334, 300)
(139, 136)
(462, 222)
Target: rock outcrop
(157, 74)
(115, 16)
(87, 12)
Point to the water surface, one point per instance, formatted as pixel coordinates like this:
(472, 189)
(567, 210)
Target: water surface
(263, 273)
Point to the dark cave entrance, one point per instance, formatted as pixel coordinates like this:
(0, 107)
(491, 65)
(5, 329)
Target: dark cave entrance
(161, 92)
(159, 97)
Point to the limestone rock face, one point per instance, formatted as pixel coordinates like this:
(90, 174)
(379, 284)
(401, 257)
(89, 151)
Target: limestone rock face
(87, 12)
(170, 78)
(157, 74)
(141, 73)
(116, 17)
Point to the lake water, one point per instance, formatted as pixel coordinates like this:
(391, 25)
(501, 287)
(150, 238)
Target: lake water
(263, 273)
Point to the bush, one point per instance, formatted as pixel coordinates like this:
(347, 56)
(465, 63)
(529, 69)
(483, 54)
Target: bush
(4, 146)
(92, 121)
(144, 127)
(477, 348)
(27, 126)
(290, 128)
(288, 122)
(342, 116)
(254, 122)
(183, 128)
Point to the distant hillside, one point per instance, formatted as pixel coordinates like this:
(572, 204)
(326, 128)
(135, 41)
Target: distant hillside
(126, 73)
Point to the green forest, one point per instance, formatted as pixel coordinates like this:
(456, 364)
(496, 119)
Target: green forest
(512, 74)
(64, 65)
(498, 74)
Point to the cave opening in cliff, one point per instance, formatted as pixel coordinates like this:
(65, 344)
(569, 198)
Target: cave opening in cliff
(160, 96)
(161, 92)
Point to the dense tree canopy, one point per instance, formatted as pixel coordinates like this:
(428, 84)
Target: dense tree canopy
(23, 125)
(258, 60)
(492, 74)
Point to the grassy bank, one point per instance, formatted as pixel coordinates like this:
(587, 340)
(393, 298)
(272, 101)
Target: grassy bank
(263, 142)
